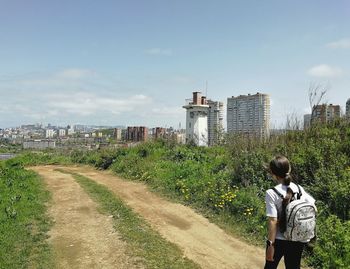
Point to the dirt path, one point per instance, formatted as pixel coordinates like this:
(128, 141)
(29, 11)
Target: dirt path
(81, 237)
(201, 241)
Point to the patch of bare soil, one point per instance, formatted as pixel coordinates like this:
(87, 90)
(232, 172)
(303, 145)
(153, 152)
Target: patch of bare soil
(81, 236)
(203, 242)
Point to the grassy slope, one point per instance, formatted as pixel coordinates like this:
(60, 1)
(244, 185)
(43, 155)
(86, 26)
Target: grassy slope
(205, 178)
(23, 219)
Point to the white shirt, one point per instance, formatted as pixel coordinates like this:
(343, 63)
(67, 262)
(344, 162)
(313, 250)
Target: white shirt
(274, 202)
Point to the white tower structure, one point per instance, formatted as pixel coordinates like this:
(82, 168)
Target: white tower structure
(197, 120)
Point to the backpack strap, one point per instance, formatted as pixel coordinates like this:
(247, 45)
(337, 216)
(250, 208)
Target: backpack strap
(299, 194)
(278, 193)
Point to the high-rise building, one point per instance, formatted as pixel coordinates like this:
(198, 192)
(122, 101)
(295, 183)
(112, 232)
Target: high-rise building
(117, 134)
(137, 134)
(307, 121)
(215, 121)
(347, 113)
(249, 115)
(325, 113)
(197, 120)
(49, 133)
(159, 132)
(62, 132)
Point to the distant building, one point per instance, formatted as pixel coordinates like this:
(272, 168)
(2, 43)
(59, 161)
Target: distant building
(307, 121)
(62, 132)
(197, 120)
(137, 134)
(159, 132)
(215, 121)
(28, 126)
(325, 113)
(39, 144)
(249, 115)
(180, 138)
(117, 134)
(347, 113)
(49, 133)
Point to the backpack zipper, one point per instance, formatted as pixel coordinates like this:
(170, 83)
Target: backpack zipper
(306, 218)
(293, 210)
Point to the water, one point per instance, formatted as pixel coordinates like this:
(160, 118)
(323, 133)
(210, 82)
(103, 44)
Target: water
(5, 156)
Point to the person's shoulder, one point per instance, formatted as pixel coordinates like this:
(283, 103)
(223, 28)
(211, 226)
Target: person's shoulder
(271, 193)
(278, 188)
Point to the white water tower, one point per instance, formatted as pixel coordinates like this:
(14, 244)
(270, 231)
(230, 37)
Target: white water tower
(197, 120)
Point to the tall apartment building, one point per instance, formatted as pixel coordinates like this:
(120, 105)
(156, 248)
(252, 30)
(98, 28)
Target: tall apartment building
(347, 113)
(62, 132)
(325, 113)
(249, 115)
(159, 132)
(197, 120)
(117, 134)
(137, 134)
(215, 121)
(49, 133)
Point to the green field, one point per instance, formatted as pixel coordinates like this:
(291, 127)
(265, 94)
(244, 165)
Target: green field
(23, 219)
(227, 183)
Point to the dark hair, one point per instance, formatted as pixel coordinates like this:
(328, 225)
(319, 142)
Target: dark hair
(280, 167)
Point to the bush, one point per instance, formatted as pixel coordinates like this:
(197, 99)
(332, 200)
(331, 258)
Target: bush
(333, 247)
(231, 180)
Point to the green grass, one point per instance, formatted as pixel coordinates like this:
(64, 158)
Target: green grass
(24, 222)
(142, 241)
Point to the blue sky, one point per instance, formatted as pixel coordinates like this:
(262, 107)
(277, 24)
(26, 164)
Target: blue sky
(135, 62)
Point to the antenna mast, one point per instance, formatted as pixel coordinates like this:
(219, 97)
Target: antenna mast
(206, 88)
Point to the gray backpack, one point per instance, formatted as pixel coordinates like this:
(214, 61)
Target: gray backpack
(300, 218)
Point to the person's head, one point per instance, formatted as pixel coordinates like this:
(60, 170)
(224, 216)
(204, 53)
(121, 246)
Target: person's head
(280, 167)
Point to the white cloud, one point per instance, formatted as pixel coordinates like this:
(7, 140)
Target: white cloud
(168, 111)
(85, 104)
(75, 73)
(325, 71)
(159, 51)
(340, 44)
(71, 77)
(81, 95)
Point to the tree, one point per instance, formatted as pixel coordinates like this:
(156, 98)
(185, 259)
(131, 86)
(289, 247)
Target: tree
(317, 92)
(293, 121)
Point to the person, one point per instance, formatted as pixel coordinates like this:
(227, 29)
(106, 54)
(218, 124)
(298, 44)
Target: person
(276, 244)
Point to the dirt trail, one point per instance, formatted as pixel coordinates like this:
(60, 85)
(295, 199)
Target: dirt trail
(201, 241)
(81, 237)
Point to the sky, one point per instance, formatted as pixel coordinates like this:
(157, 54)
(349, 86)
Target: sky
(135, 62)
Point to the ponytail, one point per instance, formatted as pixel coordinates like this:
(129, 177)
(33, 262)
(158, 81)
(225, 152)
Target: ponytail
(283, 219)
(287, 179)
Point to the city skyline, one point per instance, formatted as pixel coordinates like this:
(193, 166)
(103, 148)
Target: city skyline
(132, 63)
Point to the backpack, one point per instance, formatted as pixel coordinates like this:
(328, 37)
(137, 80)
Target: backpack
(300, 218)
